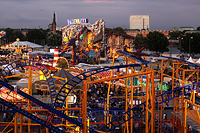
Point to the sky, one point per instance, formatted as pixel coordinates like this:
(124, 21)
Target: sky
(164, 14)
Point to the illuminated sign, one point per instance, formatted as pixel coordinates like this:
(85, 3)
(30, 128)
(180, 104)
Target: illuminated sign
(77, 21)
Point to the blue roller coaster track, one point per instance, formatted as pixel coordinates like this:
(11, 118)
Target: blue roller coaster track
(69, 85)
(22, 63)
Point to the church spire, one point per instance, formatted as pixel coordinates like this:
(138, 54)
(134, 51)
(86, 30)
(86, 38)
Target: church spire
(54, 19)
(54, 23)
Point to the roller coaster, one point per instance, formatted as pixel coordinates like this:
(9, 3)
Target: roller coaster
(144, 117)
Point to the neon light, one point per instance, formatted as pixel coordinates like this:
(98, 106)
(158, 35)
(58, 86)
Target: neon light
(81, 21)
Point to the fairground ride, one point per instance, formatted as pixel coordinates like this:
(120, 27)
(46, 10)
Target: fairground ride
(146, 117)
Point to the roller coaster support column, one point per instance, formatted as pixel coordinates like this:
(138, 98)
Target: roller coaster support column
(174, 100)
(84, 107)
(106, 119)
(126, 101)
(16, 115)
(182, 98)
(108, 97)
(131, 99)
(161, 82)
(152, 102)
(66, 106)
(185, 116)
(149, 98)
(147, 103)
(21, 119)
(193, 94)
(30, 93)
(197, 81)
(141, 89)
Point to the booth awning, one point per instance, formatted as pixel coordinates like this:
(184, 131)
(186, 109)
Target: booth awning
(26, 44)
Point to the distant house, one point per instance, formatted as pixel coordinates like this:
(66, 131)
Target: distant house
(186, 28)
(174, 29)
(193, 31)
(135, 32)
(25, 31)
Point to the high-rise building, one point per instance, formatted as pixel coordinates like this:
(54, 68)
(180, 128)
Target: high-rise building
(139, 22)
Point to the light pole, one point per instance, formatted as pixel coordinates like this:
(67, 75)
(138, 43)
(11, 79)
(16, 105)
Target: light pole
(190, 45)
(180, 41)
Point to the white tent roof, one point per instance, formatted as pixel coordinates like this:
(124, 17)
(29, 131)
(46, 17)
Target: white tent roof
(30, 44)
(190, 60)
(198, 61)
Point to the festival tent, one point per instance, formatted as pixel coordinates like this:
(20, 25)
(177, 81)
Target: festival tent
(190, 60)
(63, 74)
(21, 46)
(26, 43)
(62, 77)
(198, 61)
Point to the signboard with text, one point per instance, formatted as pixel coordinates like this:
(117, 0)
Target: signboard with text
(77, 21)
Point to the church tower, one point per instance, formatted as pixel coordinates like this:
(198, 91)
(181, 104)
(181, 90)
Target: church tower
(54, 23)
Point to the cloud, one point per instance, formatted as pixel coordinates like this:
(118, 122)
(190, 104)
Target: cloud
(98, 1)
(163, 14)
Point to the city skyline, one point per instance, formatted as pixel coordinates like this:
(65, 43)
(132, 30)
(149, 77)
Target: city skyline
(39, 13)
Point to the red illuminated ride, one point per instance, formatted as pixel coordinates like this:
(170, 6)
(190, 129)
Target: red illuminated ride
(72, 42)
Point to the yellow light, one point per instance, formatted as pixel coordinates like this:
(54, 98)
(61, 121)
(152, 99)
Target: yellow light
(90, 46)
(65, 39)
(87, 49)
(96, 50)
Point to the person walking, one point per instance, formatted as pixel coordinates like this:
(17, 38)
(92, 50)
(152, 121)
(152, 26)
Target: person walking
(4, 117)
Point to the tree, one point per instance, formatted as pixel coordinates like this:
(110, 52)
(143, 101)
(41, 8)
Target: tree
(119, 29)
(198, 28)
(62, 63)
(9, 36)
(54, 39)
(12, 35)
(18, 34)
(191, 41)
(157, 42)
(139, 41)
(36, 36)
(174, 34)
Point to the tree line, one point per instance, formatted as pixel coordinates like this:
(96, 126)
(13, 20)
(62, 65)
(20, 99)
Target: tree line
(158, 42)
(154, 41)
(38, 36)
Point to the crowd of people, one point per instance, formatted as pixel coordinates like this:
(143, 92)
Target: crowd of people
(7, 116)
(97, 95)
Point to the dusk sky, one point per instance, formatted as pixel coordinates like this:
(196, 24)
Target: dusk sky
(164, 14)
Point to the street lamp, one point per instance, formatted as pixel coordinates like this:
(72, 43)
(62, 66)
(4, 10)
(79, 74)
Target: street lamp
(180, 41)
(190, 45)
